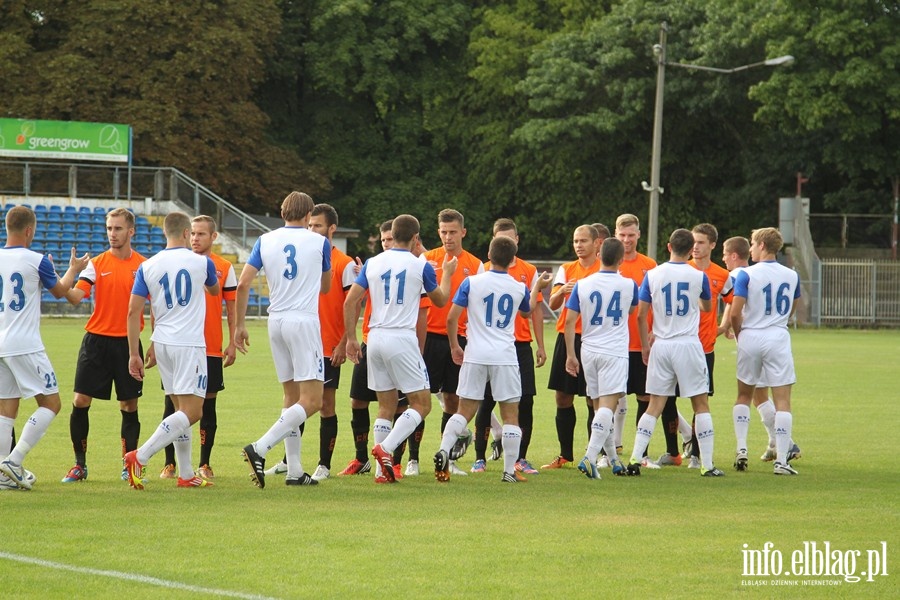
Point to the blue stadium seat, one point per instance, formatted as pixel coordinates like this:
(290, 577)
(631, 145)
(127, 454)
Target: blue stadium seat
(97, 248)
(84, 210)
(8, 206)
(82, 237)
(98, 219)
(37, 247)
(141, 220)
(40, 208)
(56, 208)
(53, 217)
(68, 239)
(99, 237)
(68, 226)
(83, 218)
(52, 247)
(70, 210)
(100, 210)
(145, 250)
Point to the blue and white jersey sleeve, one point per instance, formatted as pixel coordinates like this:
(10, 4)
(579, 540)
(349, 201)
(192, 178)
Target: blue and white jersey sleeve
(462, 294)
(573, 303)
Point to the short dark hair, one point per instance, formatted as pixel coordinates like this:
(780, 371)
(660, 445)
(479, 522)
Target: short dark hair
(682, 242)
(612, 251)
(404, 228)
(331, 216)
(505, 224)
(386, 226)
(709, 230)
(448, 215)
(602, 230)
(502, 251)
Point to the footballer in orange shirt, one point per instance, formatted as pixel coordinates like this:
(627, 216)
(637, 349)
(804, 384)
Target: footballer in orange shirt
(103, 357)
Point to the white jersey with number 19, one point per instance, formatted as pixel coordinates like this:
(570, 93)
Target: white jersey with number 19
(492, 299)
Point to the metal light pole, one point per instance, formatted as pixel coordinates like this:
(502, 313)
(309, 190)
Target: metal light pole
(659, 50)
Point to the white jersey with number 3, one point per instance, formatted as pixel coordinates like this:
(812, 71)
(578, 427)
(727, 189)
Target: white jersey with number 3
(22, 272)
(294, 259)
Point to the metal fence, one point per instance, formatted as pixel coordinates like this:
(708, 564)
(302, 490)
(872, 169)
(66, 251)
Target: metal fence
(135, 184)
(858, 292)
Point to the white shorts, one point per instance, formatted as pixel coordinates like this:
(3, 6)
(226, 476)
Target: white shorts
(764, 357)
(297, 349)
(605, 375)
(395, 362)
(505, 380)
(182, 369)
(27, 375)
(677, 361)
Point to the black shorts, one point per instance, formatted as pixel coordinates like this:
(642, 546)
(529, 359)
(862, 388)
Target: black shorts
(443, 373)
(359, 384)
(102, 361)
(710, 363)
(560, 380)
(215, 379)
(332, 375)
(637, 374)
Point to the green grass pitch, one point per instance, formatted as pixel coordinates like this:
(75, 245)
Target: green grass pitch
(668, 533)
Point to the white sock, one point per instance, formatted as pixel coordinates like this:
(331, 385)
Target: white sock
(601, 427)
(34, 430)
(512, 440)
(684, 428)
(496, 427)
(767, 414)
(456, 426)
(705, 436)
(290, 418)
(610, 446)
(741, 415)
(183, 454)
(6, 429)
(169, 429)
(784, 423)
(403, 428)
(646, 425)
(293, 444)
(619, 421)
(380, 430)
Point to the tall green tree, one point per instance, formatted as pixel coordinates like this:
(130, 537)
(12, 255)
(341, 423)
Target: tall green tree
(181, 73)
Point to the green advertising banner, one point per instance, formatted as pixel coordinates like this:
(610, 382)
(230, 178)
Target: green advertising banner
(71, 140)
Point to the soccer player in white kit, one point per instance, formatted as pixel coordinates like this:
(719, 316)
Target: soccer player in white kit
(764, 300)
(677, 292)
(492, 299)
(174, 280)
(25, 369)
(395, 281)
(606, 299)
(298, 268)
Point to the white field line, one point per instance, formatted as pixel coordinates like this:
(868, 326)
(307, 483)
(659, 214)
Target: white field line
(175, 585)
